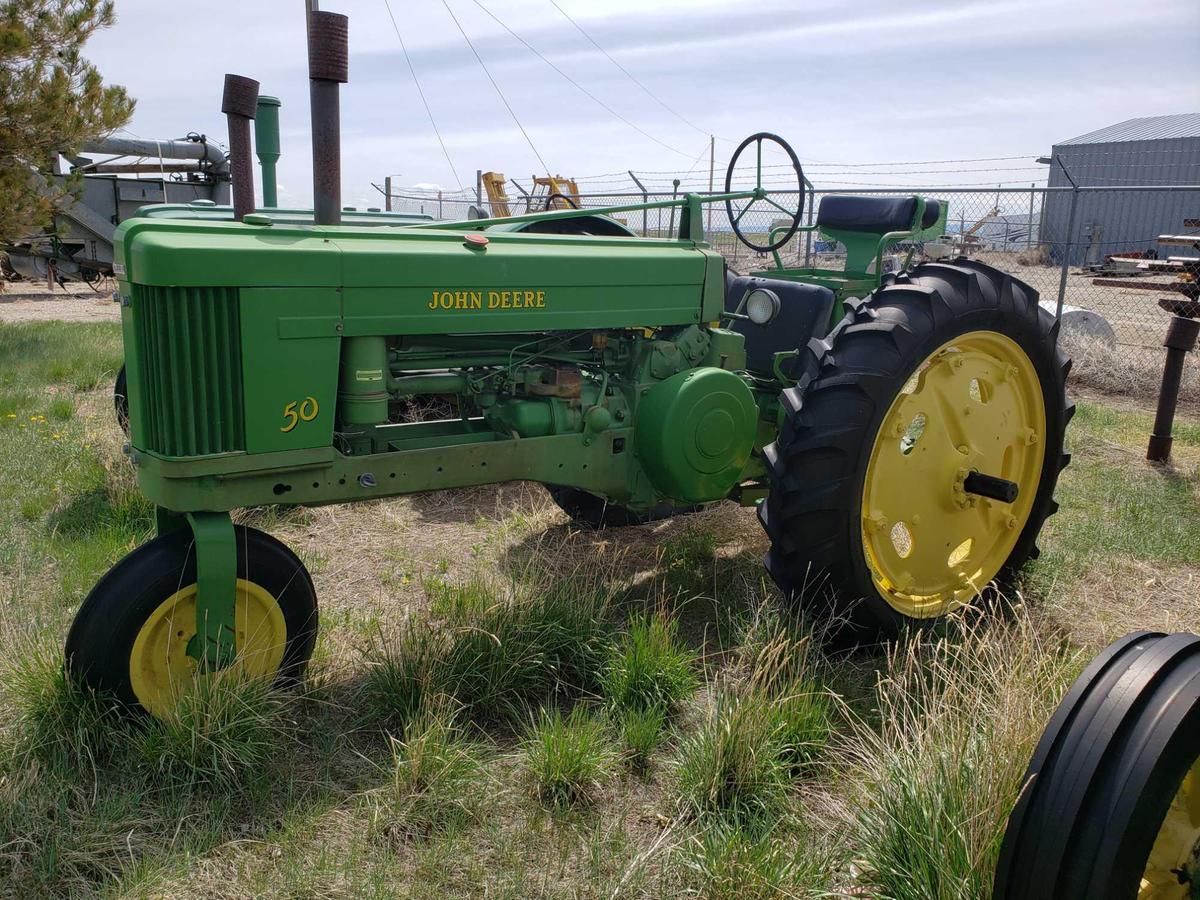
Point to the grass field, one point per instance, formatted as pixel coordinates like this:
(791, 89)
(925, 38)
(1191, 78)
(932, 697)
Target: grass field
(502, 705)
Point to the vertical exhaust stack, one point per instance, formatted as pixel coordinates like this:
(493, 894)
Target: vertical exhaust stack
(328, 67)
(239, 102)
(266, 145)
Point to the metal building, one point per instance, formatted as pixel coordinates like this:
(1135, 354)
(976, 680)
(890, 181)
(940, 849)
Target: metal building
(1154, 150)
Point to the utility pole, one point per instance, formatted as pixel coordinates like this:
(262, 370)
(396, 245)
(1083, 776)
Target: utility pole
(387, 193)
(712, 160)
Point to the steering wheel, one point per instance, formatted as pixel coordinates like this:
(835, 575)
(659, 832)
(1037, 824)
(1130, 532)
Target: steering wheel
(735, 220)
(557, 196)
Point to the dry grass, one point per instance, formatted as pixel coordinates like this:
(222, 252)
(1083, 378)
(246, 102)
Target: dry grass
(1132, 375)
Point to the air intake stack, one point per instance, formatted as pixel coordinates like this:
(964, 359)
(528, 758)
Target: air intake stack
(328, 67)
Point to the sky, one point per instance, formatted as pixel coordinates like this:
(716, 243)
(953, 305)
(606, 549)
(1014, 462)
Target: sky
(846, 83)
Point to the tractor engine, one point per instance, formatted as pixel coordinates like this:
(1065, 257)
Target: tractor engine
(692, 415)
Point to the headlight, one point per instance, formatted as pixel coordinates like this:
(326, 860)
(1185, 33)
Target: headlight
(762, 306)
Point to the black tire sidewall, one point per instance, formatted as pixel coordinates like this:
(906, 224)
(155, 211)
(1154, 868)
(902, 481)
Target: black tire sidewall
(101, 639)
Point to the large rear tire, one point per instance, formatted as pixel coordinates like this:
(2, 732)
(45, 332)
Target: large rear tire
(1111, 804)
(130, 636)
(949, 371)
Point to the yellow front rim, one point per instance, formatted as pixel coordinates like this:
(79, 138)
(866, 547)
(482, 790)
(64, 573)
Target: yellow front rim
(159, 665)
(1173, 868)
(975, 404)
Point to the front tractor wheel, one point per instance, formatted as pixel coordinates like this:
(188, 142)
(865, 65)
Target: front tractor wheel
(130, 638)
(918, 456)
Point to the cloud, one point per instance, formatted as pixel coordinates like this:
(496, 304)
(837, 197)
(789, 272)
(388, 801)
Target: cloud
(845, 82)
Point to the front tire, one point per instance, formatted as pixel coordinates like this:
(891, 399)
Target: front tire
(130, 636)
(950, 370)
(1110, 808)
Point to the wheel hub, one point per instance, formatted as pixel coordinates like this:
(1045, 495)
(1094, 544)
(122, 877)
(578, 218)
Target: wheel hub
(962, 436)
(1173, 868)
(159, 664)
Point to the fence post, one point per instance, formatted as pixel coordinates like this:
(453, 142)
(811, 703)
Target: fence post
(387, 193)
(1069, 243)
(440, 216)
(812, 202)
(674, 191)
(712, 158)
(645, 199)
(1029, 236)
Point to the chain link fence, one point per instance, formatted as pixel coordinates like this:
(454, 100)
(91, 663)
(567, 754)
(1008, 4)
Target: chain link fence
(1053, 239)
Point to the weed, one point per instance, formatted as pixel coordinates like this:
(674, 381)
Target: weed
(495, 661)
(434, 780)
(56, 723)
(931, 787)
(568, 757)
(223, 730)
(688, 560)
(648, 668)
(641, 733)
(731, 767)
(728, 862)
(404, 675)
(458, 601)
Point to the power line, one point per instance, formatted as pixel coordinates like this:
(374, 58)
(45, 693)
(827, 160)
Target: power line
(417, 82)
(584, 90)
(499, 92)
(628, 74)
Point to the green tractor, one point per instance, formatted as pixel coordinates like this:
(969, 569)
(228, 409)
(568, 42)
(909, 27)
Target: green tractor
(900, 435)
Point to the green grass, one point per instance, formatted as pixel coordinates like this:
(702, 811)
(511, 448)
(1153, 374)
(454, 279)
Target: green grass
(648, 668)
(434, 781)
(495, 660)
(728, 862)
(933, 782)
(1113, 503)
(641, 732)
(442, 762)
(731, 767)
(568, 758)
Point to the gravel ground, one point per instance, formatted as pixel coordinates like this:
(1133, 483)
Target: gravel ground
(23, 301)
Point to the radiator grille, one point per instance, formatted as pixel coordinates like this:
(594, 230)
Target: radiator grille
(189, 344)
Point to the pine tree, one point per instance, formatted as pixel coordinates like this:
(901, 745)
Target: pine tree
(51, 101)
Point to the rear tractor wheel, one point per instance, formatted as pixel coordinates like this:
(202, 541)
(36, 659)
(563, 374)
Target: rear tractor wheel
(130, 638)
(919, 453)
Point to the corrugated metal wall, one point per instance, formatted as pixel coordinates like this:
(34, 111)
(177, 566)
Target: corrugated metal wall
(1116, 222)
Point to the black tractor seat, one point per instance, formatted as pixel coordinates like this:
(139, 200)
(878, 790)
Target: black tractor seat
(875, 214)
(805, 311)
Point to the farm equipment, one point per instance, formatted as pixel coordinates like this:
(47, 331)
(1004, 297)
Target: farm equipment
(1183, 329)
(549, 192)
(901, 435)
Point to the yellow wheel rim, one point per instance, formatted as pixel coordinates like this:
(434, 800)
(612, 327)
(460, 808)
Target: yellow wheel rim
(159, 666)
(975, 404)
(1173, 868)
